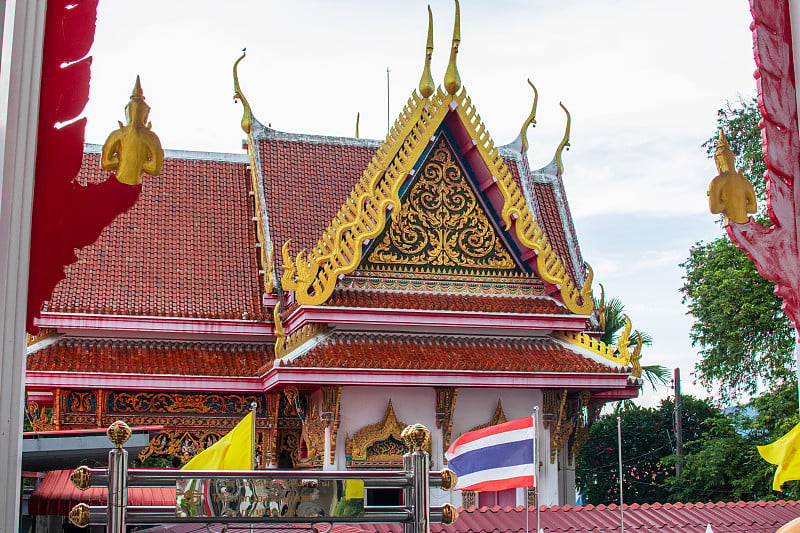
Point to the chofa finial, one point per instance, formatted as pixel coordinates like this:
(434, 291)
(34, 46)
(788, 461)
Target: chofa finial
(452, 80)
(133, 149)
(238, 95)
(730, 193)
(426, 84)
(564, 141)
(358, 119)
(531, 120)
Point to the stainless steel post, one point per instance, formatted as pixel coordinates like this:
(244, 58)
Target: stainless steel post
(422, 507)
(118, 433)
(117, 489)
(408, 491)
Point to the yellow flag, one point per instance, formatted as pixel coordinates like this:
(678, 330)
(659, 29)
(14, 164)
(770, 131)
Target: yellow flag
(234, 451)
(783, 452)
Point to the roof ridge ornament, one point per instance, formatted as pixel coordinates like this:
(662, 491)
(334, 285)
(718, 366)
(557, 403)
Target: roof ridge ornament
(531, 120)
(452, 80)
(238, 95)
(133, 148)
(730, 193)
(358, 119)
(564, 141)
(426, 84)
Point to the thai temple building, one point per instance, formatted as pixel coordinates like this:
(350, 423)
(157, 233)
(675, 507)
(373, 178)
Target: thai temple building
(347, 287)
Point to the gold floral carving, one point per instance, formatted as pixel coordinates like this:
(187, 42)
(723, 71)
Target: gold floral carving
(360, 448)
(331, 410)
(445, 404)
(561, 424)
(280, 333)
(312, 436)
(364, 214)
(303, 335)
(441, 222)
(582, 423)
(38, 418)
(499, 417)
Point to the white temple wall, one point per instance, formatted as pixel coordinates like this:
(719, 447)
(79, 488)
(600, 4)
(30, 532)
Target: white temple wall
(362, 406)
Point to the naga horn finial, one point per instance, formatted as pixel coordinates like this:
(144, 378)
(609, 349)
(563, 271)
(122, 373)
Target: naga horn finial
(238, 95)
(564, 141)
(426, 84)
(531, 120)
(452, 80)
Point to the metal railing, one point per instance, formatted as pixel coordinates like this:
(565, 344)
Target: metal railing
(262, 496)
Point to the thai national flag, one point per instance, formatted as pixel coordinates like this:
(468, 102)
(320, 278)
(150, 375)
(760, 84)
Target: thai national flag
(494, 458)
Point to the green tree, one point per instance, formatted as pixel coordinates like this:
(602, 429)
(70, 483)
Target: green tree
(723, 463)
(743, 337)
(648, 440)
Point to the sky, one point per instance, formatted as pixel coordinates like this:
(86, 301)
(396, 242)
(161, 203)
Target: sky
(642, 80)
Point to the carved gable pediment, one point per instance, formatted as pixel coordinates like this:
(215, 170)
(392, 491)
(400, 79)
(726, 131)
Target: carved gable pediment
(442, 226)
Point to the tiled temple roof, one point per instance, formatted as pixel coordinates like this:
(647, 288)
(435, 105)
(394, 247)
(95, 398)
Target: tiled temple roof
(306, 180)
(731, 517)
(417, 352)
(438, 301)
(185, 249)
(147, 357)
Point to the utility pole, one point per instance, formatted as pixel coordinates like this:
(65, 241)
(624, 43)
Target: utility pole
(678, 425)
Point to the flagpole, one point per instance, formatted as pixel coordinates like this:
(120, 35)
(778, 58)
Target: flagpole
(253, 408)
(619, 448)
(535, 467)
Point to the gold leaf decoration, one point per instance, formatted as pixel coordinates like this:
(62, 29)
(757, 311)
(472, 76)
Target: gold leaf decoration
(441, 222)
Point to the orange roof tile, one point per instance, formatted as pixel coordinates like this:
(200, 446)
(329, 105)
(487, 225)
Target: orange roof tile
(478, 303)
(142, 357)
(186, 249)
(306, 180)
(437, 353)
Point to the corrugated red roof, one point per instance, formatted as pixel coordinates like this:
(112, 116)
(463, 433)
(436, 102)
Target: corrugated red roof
(479, 303)
(416, 352)
(306, 182)
(57, 495)
(186, 249)
(142, 357)
(738, 517)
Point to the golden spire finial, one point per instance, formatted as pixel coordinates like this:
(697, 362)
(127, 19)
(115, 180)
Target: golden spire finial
(358, 118)
(452, 81)
(564, 141)
(238, 95)
(601, 309)
(137, 93)
(730, 193)
(133, 149)
(531, 120)
(426, 84)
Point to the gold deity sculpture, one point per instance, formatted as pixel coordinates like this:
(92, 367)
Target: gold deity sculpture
(133, 149)
(730, 193)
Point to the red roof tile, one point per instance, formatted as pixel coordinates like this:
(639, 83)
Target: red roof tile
(57, 495)
(478, 303)
(752, 517)
(550, 219)
(186, 249)
(142, 357)
(305, 184)
(436, 353)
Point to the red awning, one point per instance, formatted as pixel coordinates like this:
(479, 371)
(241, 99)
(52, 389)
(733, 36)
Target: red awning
(57, 495)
